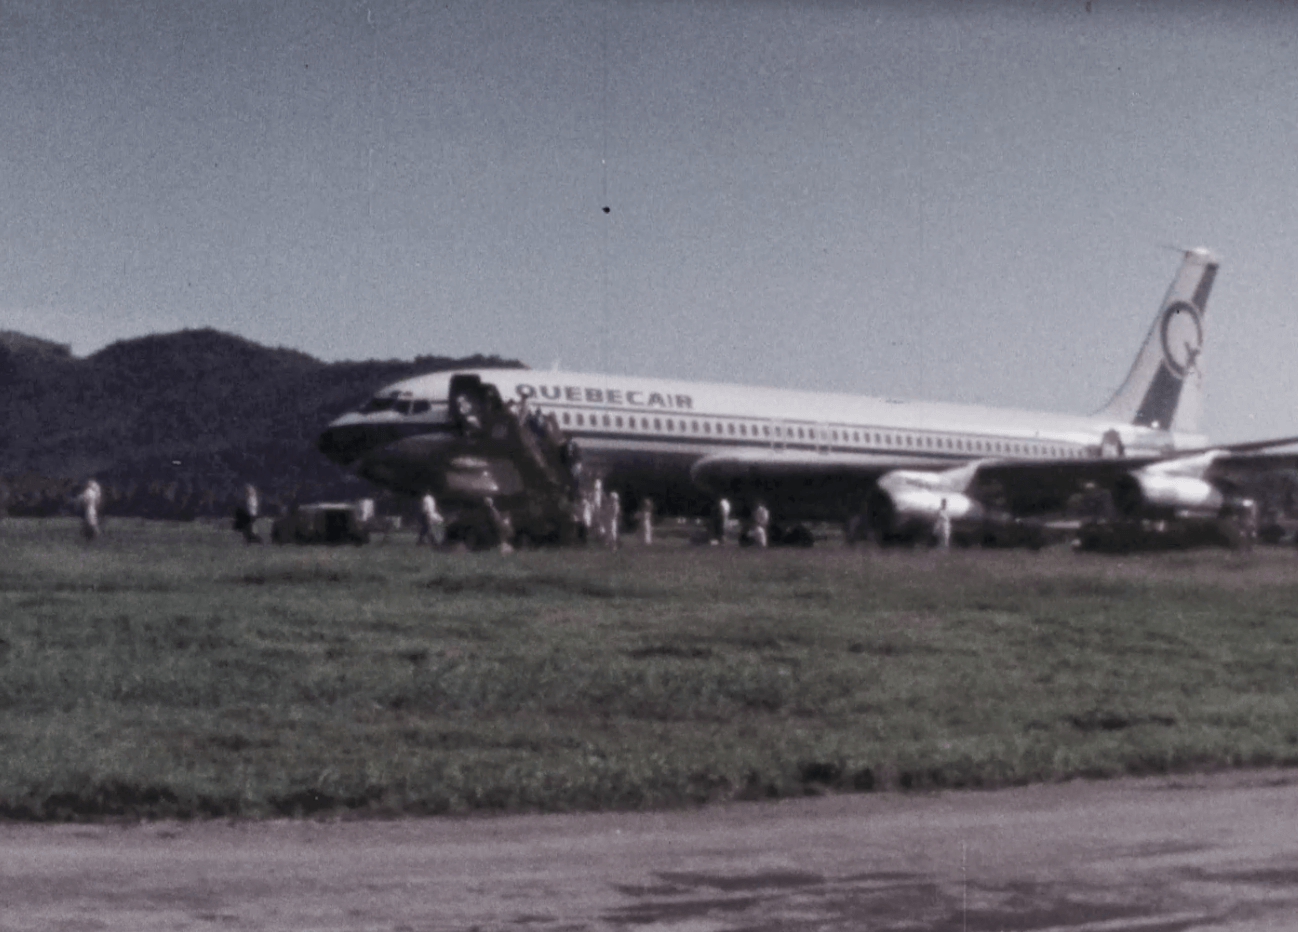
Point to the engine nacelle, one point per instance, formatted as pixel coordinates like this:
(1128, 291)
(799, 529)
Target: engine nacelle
(926, 505)
(907, 502)
(908, 513)
(1146, 495)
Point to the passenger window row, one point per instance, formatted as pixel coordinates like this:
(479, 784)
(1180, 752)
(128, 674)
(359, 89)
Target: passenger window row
(824, 435)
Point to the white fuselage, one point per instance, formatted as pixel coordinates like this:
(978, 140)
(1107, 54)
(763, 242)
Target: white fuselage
(608, 413)
(639, 424)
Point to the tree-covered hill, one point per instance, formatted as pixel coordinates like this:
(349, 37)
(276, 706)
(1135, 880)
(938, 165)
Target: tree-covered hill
(173, 424)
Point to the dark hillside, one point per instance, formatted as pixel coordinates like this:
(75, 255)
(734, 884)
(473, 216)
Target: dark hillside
(174, 423)
(26, 346)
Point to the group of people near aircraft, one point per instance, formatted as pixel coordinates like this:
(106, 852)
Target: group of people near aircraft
(772, 460)
(893, 471)
(599, 516)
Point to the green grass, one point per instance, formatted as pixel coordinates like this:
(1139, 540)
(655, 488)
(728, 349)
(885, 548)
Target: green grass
(168, 670)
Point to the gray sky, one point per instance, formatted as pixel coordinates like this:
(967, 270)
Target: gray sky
(963, 201)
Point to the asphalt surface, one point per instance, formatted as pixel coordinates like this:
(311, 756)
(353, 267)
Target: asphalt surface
(1157, 855)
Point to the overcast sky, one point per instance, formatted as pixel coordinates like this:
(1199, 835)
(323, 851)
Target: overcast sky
(964, 201)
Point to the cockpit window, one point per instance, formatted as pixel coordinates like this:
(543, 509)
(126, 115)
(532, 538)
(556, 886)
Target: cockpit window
(378, 403)
(397, 404)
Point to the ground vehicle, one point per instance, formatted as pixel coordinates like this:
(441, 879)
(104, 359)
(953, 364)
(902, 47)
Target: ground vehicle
(321, 523)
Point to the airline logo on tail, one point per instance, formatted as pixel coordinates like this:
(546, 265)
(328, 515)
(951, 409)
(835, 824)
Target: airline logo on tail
(1182, 338)
(1164, 388)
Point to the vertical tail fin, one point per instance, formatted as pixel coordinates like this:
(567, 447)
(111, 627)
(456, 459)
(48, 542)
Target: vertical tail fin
(1164, 389)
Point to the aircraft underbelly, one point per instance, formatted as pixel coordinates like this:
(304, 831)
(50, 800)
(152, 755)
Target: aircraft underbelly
(668, 477)
(641, 471)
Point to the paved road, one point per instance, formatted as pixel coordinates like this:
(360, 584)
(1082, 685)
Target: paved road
(1163, 855)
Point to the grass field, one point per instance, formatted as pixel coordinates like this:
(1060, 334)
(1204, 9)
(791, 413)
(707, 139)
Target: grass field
(168, 670)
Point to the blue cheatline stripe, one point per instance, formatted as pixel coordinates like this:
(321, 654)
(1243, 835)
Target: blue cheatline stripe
(581, 435)
(1200, 298)
(684, 443)
(1159, 404)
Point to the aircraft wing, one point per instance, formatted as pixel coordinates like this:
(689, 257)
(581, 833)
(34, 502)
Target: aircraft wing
(799, 478)
(1034, 487)
(1031, 487)
(1247, 471)
(1020, 487)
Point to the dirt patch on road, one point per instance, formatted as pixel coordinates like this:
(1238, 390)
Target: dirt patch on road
(1194, 852)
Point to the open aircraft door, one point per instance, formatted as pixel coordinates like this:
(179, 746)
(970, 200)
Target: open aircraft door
(475, 406)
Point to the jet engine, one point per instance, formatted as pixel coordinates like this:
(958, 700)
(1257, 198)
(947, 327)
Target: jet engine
(907, 502)
(925, 505)
(1152, 495)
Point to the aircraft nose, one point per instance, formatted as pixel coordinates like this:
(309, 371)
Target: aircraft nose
(344, 444)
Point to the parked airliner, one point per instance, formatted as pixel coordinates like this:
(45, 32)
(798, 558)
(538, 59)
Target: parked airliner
(887, 466)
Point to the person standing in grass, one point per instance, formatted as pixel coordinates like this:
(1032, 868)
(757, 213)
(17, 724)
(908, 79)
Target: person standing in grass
(585, 518)
(646, 518)
(90, 499)
(720, 517)
(503, 526)
(245, 515)
(431, 523)
(597, 505)
(942, 527)
(612, 519)
(761, 524)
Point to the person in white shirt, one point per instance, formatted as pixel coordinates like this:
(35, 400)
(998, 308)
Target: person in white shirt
(504, 527)
(720, 517)
(646, 518)
(246, 518)
(761, 524)
(431, 523)
(942, 527)
(90, 499)
(612, 519)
